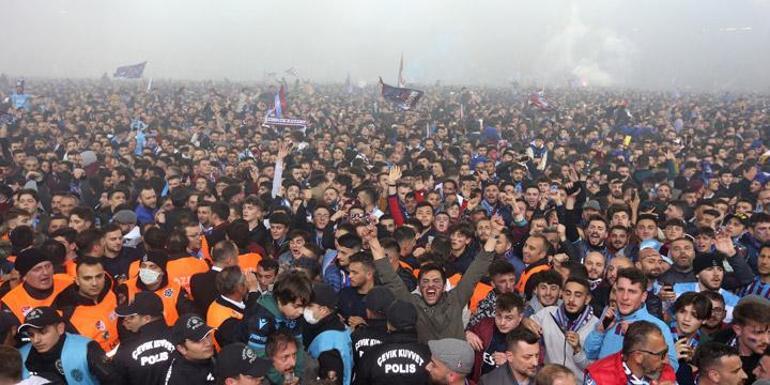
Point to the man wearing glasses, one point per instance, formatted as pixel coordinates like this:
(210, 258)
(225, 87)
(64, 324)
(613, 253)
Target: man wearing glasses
(643, 360)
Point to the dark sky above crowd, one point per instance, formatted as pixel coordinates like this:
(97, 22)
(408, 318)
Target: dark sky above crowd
(703, 44)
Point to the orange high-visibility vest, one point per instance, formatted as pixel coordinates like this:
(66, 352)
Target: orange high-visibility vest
(526, 275)
(218, 313)
(19, 302)
(205, 251)
(179, 270)
(98, 322)
(169, 295)
(479, 293)
(248, 262)
(71, 267)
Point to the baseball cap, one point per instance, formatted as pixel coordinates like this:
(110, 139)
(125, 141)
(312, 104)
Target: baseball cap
(456, 354)
(190, 327)
(378, 299)
(41, 317)
(740, 217)
(324, 295)
(145, 303)
(402, 315)
(238, 359)
(592, 204)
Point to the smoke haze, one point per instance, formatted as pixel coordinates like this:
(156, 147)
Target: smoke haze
(698, 44)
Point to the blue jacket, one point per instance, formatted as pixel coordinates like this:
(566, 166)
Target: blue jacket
(602, 344)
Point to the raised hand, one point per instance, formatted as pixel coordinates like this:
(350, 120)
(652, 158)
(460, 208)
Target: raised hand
(394, 174)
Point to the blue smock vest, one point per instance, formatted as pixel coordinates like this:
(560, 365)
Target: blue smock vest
(74, 360)
(339, 340)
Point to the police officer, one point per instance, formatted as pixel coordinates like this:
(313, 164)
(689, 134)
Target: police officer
(144, 359)
(374, 331)
(238, 364)
(61, 357)
(192, 363)
(400, 359)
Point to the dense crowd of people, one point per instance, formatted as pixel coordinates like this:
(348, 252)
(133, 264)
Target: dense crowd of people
(170, 235)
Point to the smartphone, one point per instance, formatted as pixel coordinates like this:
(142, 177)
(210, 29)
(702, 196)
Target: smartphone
(554, 188)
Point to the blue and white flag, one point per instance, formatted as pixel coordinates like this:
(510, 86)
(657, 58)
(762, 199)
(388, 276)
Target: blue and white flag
(403, 98)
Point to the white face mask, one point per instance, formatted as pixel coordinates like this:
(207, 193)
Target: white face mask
(309, 316)
(148, 277)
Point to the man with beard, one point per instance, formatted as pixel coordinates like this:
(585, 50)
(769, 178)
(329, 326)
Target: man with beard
(451, 360)
(535, 254)
(642, 359)
(89, 304)
(601, 294)
(608, 335)
(523, 355)
(758, 234)
(440, 312)
(761, 284)
(503, 281)
(682, 253)
(595, 264)
(719, 364)
(574, 319)
(749, 333)
(618, 239)
(595, 234)
(652, 265)
(710, 272)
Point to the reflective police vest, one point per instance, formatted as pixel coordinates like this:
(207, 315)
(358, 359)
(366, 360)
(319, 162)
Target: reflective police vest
(169, 295)
(98, 322)
(339, 340)
(20, 302)
(74, 360)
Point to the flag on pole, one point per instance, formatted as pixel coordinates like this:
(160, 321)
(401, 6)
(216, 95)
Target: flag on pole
(279, 103)
(538, 100)
(401, 80)
(403, 98)
(348, 84)
(133, 71)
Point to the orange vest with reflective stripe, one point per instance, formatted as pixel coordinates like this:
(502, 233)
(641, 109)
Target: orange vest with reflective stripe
(20, 302)
(219, 313)
(479, 293)
(527, 274)
(98, 322)
(169, 295)
(248, 262)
